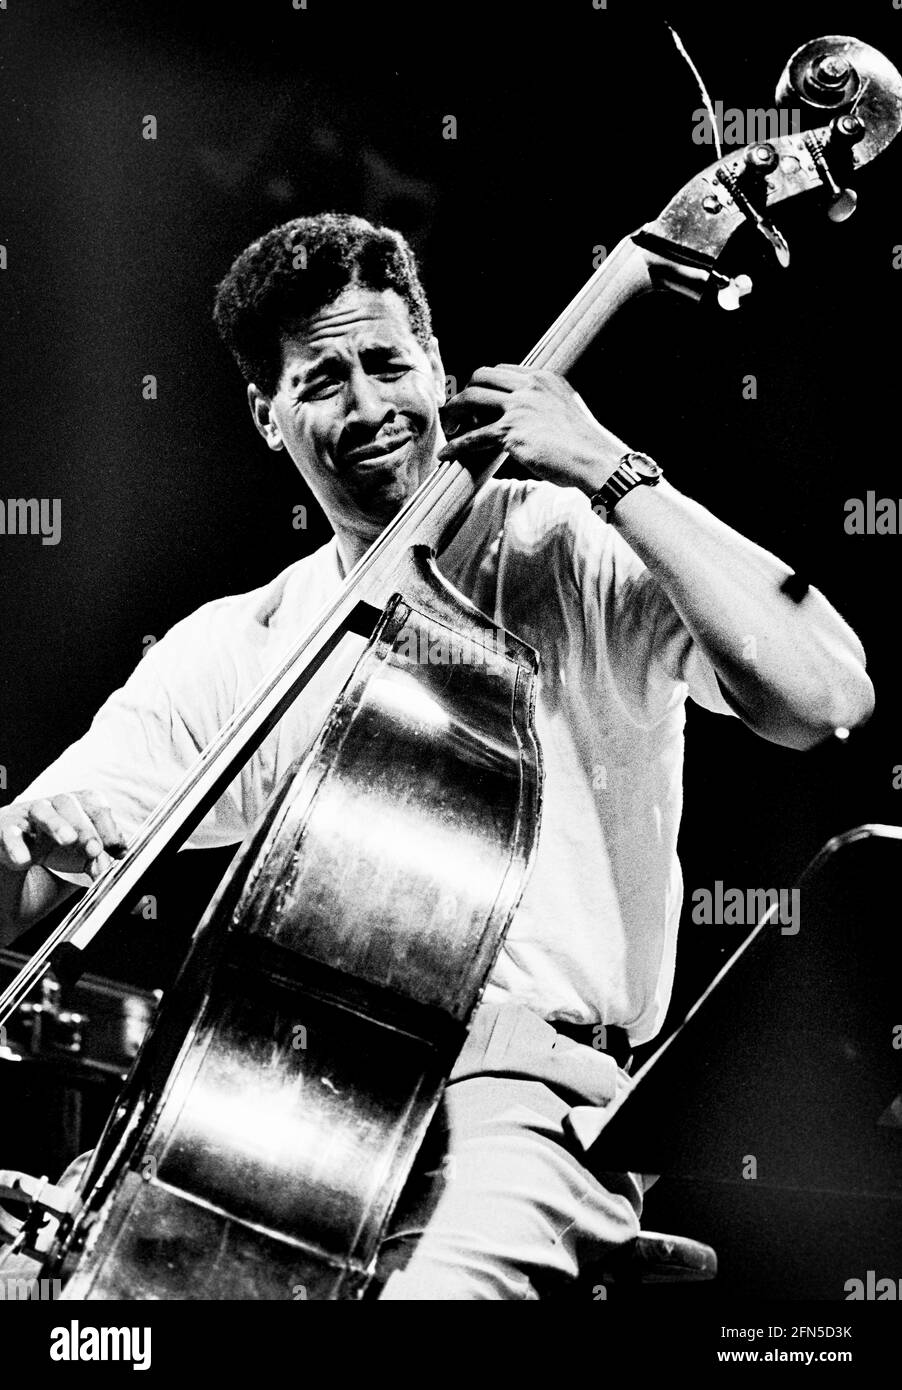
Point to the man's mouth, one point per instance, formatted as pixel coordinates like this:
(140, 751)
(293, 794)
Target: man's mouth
(380, 452)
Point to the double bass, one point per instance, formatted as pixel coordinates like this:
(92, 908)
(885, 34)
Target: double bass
(275, 1110)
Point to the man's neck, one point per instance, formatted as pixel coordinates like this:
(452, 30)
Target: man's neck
(351, 548)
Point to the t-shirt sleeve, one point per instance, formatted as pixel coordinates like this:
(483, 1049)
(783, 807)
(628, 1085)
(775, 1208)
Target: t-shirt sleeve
(630, 626)
(147, 735)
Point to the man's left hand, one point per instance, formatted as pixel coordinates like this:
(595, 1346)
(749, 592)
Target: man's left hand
(536, 417)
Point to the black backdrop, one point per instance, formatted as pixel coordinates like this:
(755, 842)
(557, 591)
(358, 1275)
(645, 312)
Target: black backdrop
(574, 125)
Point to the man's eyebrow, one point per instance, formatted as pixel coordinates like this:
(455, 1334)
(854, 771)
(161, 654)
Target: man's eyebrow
(328, 358)
(383, 345)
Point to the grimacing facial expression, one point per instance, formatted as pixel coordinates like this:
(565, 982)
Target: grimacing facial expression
(357, 407)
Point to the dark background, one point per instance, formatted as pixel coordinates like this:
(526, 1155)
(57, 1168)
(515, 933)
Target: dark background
(574, 127)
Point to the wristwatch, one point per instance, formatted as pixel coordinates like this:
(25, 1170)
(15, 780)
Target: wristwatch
(634, 468)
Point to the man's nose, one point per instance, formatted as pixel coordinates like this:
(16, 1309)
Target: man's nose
(368, 404)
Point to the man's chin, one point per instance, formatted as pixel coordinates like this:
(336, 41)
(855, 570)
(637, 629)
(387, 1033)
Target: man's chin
(382, 504)
(381, 491)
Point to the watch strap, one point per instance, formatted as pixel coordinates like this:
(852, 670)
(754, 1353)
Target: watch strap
(624, 478)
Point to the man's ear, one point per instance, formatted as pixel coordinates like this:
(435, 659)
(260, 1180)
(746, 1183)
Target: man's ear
(264, 419)
(438, 370)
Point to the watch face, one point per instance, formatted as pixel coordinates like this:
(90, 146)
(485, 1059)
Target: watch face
(645, 466)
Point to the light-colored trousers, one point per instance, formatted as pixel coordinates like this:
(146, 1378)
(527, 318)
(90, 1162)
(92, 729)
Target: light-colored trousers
(500, 1205)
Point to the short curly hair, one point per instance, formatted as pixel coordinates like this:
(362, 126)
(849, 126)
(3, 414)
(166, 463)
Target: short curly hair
(296, 269)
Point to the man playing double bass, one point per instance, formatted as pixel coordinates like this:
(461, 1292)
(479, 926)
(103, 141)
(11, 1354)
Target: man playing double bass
(634, 596)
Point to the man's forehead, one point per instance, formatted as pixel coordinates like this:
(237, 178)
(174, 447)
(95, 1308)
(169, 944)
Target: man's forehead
(355, 317)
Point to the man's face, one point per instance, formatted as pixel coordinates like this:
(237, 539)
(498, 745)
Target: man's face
(356, 407)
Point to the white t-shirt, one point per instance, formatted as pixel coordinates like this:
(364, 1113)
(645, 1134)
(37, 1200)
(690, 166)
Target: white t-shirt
(594, 938)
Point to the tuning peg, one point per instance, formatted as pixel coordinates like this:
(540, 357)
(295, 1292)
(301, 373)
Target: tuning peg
(843, 203)
(730, 292)
(842, 200)
(748, 188)
(845, 131)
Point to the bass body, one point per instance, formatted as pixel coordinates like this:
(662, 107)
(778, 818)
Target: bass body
(277, 1105)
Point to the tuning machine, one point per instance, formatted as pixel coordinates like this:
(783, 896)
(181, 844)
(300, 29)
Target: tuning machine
(832, 157)
(731, 291)
(747, 186)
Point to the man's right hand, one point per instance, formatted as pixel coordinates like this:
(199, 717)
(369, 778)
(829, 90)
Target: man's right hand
(74, 832)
